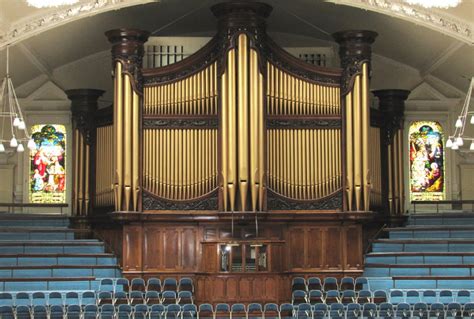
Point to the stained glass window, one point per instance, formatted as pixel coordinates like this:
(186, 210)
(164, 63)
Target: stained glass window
(427, 181)
(48, 164)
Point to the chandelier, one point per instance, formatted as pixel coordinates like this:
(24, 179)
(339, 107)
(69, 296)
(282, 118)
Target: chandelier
(12, 118)
(50, 3)
(457, 140)
(445, 4)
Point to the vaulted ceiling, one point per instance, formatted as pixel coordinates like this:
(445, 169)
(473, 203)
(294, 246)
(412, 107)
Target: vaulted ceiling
(71, 51)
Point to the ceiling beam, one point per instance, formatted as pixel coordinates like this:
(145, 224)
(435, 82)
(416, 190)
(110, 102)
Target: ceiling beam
(38, 63)
(432, 65)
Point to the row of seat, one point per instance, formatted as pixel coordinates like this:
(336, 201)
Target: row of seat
(152, 284)
(380, 296)
(329, 283)
(91, 297)
(384, 310)
(269, 311)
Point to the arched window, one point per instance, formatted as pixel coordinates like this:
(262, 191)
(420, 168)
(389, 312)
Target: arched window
(48, 164)
(427, 176)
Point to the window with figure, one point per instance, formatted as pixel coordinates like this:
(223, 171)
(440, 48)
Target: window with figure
(48, 164)
(427, 180)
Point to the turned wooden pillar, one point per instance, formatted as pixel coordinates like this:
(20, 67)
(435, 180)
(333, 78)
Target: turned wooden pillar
(127, 56)
(84, 104)
(355, 53)
(392, 108)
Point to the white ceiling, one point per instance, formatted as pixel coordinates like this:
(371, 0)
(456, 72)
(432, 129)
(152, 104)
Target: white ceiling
(75, 55)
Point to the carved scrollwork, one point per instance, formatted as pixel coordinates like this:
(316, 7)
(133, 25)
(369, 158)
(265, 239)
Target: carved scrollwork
(180, 123)
(276, 202)
(302, 123)
(150, 202)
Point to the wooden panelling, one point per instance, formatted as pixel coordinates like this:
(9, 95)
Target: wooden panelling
(353, 247)
(188, 248)
(191, 249)
(315, 248)
(297, 248)
(132, 248)
(153, 248)
(333, 248)
(171, 249)
(324, 248)
(243, 288)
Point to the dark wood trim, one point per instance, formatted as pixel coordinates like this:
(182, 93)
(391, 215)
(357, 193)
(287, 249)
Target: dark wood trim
(300, 69)
(184, 68)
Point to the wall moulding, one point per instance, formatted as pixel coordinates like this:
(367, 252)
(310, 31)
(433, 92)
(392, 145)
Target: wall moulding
(36, 24)
(441, 22)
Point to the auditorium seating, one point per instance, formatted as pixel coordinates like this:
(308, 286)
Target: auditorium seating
(41, 253)
(432, 252)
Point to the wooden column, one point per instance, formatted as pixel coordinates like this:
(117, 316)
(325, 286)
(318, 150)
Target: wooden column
(127, 56)
(355, 54)
(392, 107)
(83, 106)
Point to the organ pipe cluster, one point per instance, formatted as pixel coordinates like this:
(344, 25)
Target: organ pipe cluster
(243, 130)
(358, 183)
(180, 164)
(104, 179)
(375, 165)
(81, 194)
(291, 95)
(126, 141)
(194, 95)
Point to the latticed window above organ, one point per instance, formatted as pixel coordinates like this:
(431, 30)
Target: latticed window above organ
(320, 56)
(163, 51)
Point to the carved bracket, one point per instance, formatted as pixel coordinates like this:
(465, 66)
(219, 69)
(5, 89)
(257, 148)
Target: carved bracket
(277, 202)
(150, 202)
(303, 123)
(180, 123)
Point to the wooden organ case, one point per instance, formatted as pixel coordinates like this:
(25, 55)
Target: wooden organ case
(240, 166)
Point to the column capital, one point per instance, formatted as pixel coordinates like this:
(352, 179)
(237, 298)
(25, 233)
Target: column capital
(392, 100)
(84, 103)
(354, 45)
(392, 108)
(127, 44)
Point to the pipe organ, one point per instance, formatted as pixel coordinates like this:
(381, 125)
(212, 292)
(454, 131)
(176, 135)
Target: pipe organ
(241, 131)
(241, 125)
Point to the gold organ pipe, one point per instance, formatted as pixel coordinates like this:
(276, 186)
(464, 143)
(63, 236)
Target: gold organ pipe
(192, 169)
(357, 144)
(311, 161)
(189, 158)
(127, 155)
(349, 152)
(255, 143)
(86, 179)
(232, 138)
(81, 174)
(262, 142)
(397, 172)
(400, 172)
(214, 88)
(194, 94)
(243, 119)
(394, 174)
(135, 150)
(199, 83)
(224, 138)
(390, 179)
(98, 175)
(118, 133)
(206, 80)
(76, 172)
(365, 136)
